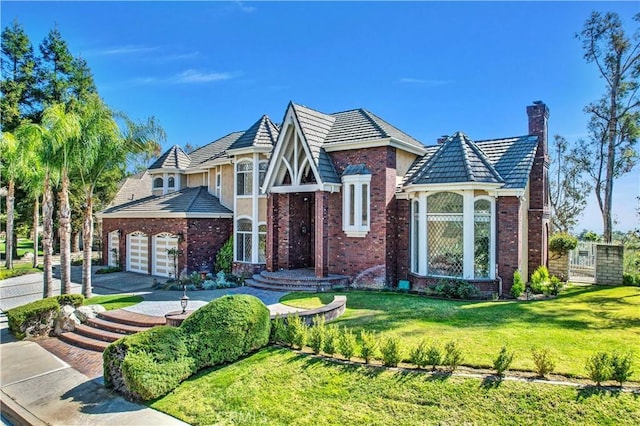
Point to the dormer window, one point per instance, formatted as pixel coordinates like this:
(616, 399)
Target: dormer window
(157, 183)
(171, 183)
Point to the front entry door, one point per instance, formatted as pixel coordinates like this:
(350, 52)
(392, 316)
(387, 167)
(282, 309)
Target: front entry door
(302, 229)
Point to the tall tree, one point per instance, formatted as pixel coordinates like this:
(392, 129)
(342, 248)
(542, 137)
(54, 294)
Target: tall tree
(14, 167)
(569, 188)
(55, 69)
(614, 118)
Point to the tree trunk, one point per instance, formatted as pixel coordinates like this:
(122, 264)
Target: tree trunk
(65, 233)
(87, 236)
(75, 242)
(8, 247)
(47, 240)
(36, 219)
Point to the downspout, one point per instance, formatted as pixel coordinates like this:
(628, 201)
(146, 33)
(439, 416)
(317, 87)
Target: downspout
(497, 243)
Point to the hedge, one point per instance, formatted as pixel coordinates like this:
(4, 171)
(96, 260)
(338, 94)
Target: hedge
(150, 364)
(37, 318)
(562, 243)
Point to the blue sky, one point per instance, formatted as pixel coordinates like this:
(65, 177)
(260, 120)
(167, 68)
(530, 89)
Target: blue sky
(205, 69)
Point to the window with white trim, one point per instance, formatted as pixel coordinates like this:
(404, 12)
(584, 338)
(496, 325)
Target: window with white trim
(218, 184)
(244, 178)
(482, 239)
(171, 182)
(262, 170)
(415, 237)
(445, 227)
(244, 240)
(356, 201)
(262, 243)
(158, 183)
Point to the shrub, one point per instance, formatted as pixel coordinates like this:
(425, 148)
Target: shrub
(278, 330)
(621, 367)
(539, 279)
(296, 335)
(518, 285)
(543, 361)
(347, 344)
(561, 243)
(331, 340)
(452, 355)
(368, 346)
(108, 270)
(555, 285)
(316, 334)
(33, 319)
(599, 367)
(224, 257)
(391, 352)
(418, 355)
(631, 279)
(226, 329)
(434, 356)
(149, 364)
(503, 361)
(455, 289)
(466, 290)
(74, 300)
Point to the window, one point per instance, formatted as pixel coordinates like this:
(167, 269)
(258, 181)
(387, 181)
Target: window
(356, 205)
(445, 227)
(262, 243)
(218, 184)
(482, 239)
(157, 183)
(244, 179)
(262, 169)
(243, 240)
(415, 237)
(171, 182)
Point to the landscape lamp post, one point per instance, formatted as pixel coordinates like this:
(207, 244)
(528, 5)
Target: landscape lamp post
(184, 300)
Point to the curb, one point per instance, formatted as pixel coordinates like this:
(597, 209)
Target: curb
(16, 414)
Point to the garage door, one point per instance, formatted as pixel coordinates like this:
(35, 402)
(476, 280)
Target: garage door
(162, 260)
(114, 244)
(138, 253)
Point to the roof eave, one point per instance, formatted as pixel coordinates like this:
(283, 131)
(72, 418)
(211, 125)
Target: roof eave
(450, 186)
(250, 150)
(164, 215)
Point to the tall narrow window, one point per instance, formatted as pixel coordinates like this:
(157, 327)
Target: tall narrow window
(356, 202)
(445, 234)
(482, 239)
(171, 182)
(244, 179)
(262, 172)
(262, 243)
(415, 237)
(243, 240)
(218, 184)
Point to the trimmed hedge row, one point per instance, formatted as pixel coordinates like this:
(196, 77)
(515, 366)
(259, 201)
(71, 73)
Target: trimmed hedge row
(37, 318)
(150, 364)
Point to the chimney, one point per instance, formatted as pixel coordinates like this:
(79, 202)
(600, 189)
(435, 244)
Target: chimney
(442, 139)
(538, 114)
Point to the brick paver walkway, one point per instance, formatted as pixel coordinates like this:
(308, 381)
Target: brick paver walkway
(85, 361)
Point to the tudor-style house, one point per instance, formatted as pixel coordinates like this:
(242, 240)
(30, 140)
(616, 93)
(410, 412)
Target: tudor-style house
(344, 195)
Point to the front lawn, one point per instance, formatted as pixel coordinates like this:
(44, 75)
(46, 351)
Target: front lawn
(278, 386)
(112, 302)
(579, 322)
(24, 246)
(18, 269)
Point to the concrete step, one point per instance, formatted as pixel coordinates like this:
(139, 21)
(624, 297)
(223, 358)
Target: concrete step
(114, 327)
(84, 341)
(131, 318)
(277, 287)
(97, 333)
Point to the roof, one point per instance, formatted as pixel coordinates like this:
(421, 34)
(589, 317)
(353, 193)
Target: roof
(132, 188)
(262, 133)
(356, 169)
(505, 161)
(213, 150)
(189, 201)
(173, 158)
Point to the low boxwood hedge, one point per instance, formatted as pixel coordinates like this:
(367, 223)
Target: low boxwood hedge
(37, 318)
(150, 364)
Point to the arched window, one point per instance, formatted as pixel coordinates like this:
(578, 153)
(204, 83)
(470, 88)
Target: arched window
(171, 182)
(243, 240)
(482, 239)
(262, 243)
(445, 227)
(244, 178)
(157, 183)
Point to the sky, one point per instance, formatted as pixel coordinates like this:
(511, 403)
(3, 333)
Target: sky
(206, 69)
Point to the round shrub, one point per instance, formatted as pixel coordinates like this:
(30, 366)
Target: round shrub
(561, 243)
(226, 329)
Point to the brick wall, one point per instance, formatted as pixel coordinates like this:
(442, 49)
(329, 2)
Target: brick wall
(403, 238)
(559, 265)
(609, 264)
(508, 240)
(204, 238)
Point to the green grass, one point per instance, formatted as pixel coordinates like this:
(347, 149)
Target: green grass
(24, 245)
(112, 302)
(18, 269)
(277, 386)
(582, 320)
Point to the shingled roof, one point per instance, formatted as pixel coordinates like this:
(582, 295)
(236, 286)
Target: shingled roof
(192, 202)
(460, 160)
(213, 150)
(173, 158)
(262, 133)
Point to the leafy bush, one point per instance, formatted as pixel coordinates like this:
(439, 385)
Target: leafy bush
(331, 337)
(149, 364)
(503, 361)
(599, 367)
(418, 355)
(74, 300)
(539, 280)
(543, 361)
(434, 356)
(368, 346)
(296, 331)
(391, 352)
(466, 290)
(316, 334)
(33, 319)
(347, 344)
(631, 279)
(621, 367)
(452, 355)
(224, 257)
(518, 285)
(226, 329)
(455, 289)
(561, 243)
(554, 287)
(108, 270)
(278, 330)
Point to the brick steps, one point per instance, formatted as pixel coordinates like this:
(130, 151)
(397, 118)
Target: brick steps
(296, 280)
(97, 333)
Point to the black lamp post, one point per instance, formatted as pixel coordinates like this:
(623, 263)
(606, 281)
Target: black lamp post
(184, 300)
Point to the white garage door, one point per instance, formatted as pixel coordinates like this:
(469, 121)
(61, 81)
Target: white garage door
(162, 260)
(138, 253)
(114, 244)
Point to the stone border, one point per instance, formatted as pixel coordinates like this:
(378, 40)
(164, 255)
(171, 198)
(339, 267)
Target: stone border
(330, 311)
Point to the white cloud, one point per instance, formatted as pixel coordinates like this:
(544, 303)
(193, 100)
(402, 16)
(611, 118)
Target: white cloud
(126, 50)
(245, 8)
(424, 82)
(193, 76)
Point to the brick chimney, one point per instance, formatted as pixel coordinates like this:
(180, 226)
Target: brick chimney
(442, 139)
(538, 114)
